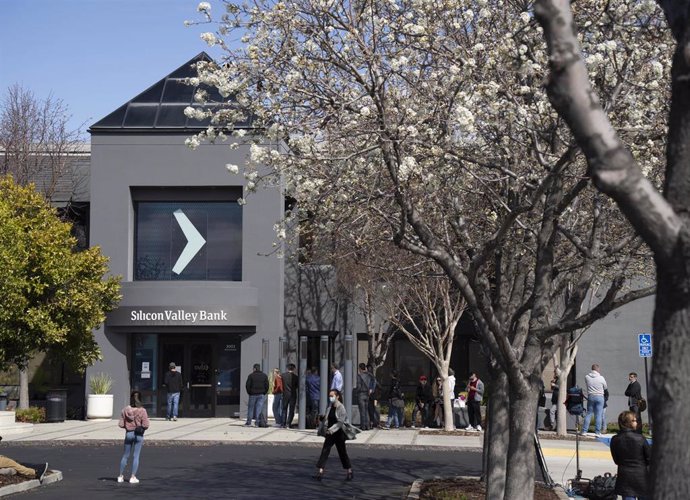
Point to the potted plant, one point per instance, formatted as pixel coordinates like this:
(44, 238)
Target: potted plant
(99, 403)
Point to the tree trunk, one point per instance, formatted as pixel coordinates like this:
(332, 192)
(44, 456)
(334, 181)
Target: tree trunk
(24, 386)
(496, 437)
(562, 413)
(447, 404)
(668, 393)
(521, 453)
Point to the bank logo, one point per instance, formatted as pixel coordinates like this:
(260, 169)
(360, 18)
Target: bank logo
(194, 242)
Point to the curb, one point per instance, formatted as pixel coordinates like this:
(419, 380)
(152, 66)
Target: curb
(416, 488)
(53, 477)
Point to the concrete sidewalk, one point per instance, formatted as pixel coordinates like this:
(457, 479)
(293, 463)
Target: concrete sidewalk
(595, 457)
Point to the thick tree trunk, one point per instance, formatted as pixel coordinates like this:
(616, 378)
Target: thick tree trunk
(24, 386)
(562, 413)
(447, 405)
(521, 454)
(669, 390)
(496, 438)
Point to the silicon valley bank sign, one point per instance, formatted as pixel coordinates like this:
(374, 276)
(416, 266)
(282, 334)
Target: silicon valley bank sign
(179, 315)
(183, 316)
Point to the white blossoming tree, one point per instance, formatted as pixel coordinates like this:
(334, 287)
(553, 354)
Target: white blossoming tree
(660, 217)
(428, 121)
(426, 306)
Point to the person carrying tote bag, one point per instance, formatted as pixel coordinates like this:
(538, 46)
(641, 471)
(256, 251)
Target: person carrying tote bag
(134, 420)
(336, 429)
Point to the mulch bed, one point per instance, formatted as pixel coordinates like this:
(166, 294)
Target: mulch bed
(6, 479)
(470, 489)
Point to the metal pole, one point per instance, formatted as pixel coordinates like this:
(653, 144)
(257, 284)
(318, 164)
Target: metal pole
(302, 394)
(323, 366)
(282, 354)
(264, 356)
(265, 369)
(347, 386)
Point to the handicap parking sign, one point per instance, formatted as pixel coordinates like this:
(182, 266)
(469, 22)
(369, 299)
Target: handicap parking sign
(645, 344)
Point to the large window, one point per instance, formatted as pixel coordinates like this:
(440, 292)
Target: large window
(188, 239)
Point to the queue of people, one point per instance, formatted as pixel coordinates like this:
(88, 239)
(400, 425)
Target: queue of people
(629, 449)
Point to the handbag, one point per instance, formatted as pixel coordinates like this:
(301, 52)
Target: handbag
(398, 403)
(642, 404)
(350, 431)
(321, 429)
(139, 430)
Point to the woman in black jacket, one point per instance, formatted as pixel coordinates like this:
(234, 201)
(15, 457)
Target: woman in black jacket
(632, 453)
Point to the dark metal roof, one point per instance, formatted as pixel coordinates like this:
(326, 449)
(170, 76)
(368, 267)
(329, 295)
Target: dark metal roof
(160, 108)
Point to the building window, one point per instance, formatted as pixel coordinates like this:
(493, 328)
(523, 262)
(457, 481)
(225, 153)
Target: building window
(190, 240)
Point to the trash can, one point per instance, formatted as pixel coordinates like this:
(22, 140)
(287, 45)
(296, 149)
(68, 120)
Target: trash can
(3, 401)
(56, 405)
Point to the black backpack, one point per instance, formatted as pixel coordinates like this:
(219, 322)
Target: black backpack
(602, 488)
(574, 401)
(262, 421)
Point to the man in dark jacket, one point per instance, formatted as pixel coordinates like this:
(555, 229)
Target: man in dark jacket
(362, 390)
(290, 386)
(634, 393)
(257, 387)
(313, 388)
(424, 397)
(374, 395)
(173, 384)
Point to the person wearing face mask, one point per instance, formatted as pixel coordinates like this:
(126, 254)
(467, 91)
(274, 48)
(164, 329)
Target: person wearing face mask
(336, 429)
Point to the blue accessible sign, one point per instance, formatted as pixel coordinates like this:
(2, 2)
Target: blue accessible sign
(645, 344)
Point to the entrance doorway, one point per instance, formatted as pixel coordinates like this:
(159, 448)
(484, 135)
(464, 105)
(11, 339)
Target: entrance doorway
(210, 367)
(195, 360)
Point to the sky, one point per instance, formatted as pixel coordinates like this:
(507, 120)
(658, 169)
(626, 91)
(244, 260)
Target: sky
(95, 55)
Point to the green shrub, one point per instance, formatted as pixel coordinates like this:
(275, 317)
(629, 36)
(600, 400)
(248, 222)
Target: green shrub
(100, 383)
(33, 415)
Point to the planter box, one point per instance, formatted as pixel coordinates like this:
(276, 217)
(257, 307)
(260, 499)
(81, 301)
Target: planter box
(270, 399)
(99, 406)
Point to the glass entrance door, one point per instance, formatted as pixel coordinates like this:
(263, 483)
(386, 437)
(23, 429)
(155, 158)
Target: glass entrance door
(201, 394)
(194, 360)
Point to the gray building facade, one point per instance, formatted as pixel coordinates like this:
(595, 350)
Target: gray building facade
(198, 286)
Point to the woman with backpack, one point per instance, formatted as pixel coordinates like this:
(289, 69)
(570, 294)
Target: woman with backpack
(134, 420)
(632, 453)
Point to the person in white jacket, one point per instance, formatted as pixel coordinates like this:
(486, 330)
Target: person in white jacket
(596, 385)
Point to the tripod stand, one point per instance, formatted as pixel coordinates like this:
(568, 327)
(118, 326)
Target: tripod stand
(578, 475)
(542, 462)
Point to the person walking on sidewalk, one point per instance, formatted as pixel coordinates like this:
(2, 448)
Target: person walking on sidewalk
(475, 393)
(277, 396)
(596, 384)
(336, 429)
(134, 420)
(257, 388)
(173, 384)
(632, 455)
